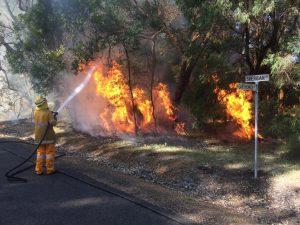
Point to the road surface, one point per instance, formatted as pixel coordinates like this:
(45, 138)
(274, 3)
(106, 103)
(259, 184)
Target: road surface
(60, 199)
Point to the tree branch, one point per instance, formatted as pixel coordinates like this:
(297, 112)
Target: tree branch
(234, 30)
(9, 11)
(151, 36)
(6, 78)
(270, 45)
(5, 44)
(173, 37)
(25, 6)
(247, 50)
(6, 27)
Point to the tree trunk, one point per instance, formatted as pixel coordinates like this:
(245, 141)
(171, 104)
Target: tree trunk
(5, 44)
(130, 88)
(184, 77)
(9, 10)
(153, 65)
(6, 78)
(25, 5)
(271, 44)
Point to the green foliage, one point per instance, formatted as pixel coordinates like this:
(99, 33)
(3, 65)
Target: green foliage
(293, 45)
(279, 64)
(201, 99)
(82, 54)
(284, 125)
(261, 7)
(83, 27)
(291, 96)
(294, 147)
(196, 38)
(268, 109)
(241, 15)
(202, 102)
(39, 50)
(284, 64)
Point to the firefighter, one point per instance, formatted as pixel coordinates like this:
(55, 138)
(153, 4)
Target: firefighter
(44, 118)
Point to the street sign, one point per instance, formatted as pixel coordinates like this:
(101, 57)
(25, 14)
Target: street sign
(254, 87)
(244, 86)
(257, 78)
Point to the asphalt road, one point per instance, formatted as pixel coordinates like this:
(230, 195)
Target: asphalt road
(62, 200)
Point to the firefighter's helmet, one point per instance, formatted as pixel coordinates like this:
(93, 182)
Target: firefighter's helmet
(40, 100)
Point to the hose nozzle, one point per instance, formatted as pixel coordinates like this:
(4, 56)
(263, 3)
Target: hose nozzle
(55, 114)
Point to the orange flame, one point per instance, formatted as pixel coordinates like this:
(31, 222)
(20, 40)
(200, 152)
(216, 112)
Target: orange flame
(143, 105)
(118, 115)
(180, 129)
(164, 96)
(238, 106)
(114, 89)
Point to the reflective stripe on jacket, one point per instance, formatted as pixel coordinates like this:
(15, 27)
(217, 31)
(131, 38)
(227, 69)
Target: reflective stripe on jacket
(41, 119)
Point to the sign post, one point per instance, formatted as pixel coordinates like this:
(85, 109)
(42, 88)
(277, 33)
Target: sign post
(254, 87)
(255, 131)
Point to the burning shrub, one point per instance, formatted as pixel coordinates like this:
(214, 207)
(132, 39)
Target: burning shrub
(224, 104)
(124, 108)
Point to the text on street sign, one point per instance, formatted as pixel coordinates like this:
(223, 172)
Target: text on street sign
(244, 86)
(257, 78)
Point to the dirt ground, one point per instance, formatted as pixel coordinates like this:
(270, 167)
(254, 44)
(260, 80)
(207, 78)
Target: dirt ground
(212, 180)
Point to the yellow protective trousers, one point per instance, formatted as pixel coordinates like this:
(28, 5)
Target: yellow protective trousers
(45, 151)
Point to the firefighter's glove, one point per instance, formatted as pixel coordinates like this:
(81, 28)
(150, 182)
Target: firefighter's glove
(55, 115)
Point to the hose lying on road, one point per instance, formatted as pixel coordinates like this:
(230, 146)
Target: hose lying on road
(10, 175)
(26, 168)
(135, 201)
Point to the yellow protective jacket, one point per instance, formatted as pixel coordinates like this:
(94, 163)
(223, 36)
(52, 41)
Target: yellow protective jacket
(43, 117)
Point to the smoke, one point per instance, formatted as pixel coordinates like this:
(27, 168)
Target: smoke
(84, 109)
(78, 89)
(16, 97)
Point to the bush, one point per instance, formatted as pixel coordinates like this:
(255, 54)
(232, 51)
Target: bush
(267, 110)
(294, 147)
(284, 125)
(202, 103)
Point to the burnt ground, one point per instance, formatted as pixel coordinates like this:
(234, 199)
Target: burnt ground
(210, 179)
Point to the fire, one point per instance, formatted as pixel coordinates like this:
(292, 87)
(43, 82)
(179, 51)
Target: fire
(164, 95)
(143, 105)
(115, 90)
(119, 115)
(238, 107)
(180, 128)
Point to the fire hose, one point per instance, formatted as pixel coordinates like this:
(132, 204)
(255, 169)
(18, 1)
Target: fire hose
(142, 204)
(10, 174)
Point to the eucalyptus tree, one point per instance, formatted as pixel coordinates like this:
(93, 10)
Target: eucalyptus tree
(269, 36)
(38, 48)
(15, 94)
(193, 38)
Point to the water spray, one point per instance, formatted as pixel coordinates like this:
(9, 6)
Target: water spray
(11, 174)
(77, 89)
